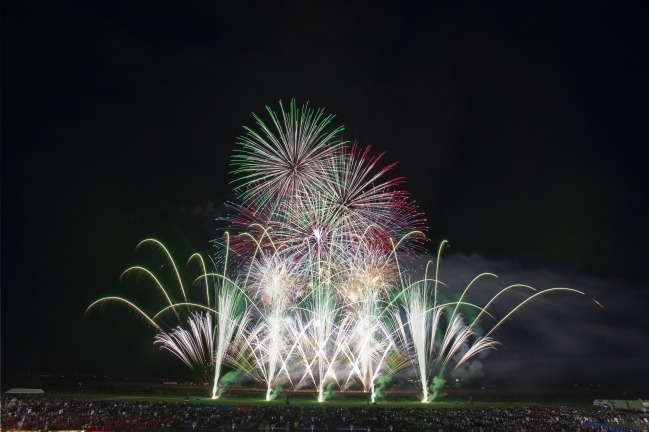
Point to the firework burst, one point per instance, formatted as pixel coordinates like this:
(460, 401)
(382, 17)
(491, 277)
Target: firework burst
(284, 156)
(313, 291)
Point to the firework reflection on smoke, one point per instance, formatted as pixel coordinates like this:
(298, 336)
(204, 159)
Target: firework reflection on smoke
(313, 290)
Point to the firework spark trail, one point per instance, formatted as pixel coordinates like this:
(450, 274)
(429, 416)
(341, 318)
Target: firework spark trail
(139, 312)
(193, 347)
(146, 272)
(321, 336)
(169, 258)
(267, 340)
(197, 257)
(422, 322)
(275, 322)
(370, 341)
(232, 318)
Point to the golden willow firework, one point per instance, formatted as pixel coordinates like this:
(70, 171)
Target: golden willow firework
(313, 289)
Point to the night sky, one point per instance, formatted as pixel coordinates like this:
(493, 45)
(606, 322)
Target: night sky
(521, 131)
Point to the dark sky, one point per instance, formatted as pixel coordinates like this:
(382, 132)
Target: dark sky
(521, 130)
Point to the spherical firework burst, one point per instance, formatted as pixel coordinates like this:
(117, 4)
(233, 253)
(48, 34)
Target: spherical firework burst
(285, 156)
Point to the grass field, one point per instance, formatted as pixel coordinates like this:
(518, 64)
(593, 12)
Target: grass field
(310, 401)
(129, 390)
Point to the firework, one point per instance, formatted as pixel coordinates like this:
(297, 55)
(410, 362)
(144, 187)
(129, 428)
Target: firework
(285, 156)
(194, 346)
(313, 291)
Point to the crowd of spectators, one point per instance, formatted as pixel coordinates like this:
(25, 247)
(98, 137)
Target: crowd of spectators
(485, 419)
(56, 414)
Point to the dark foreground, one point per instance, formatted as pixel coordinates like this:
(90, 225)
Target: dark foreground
(102, 415)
